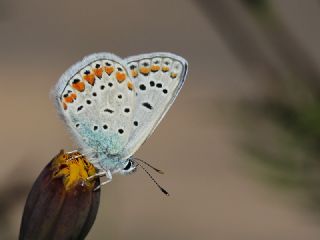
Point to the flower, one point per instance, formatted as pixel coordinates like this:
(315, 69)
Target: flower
(62, 203)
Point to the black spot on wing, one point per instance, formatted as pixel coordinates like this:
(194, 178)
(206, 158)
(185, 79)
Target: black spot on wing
(147, 105)
(108, 110)
(142, 87)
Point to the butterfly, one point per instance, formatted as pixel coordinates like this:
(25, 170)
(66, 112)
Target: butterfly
(112, 105)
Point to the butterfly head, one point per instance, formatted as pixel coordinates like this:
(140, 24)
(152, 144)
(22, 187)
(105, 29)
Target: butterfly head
(129, 166)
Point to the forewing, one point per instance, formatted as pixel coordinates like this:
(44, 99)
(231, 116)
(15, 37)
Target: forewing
(96, 98)
(158, 78)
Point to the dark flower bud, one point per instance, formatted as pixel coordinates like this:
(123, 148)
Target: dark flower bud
(62, 204)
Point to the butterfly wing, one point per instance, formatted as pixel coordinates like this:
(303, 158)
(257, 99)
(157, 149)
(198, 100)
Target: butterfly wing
(158, 78)
(96, 99)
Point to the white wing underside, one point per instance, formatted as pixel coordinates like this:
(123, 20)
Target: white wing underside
(113, 112)
(159, 89)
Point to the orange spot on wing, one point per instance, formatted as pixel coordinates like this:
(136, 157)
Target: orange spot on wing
(73, 95)
(109, 70)
(64, 105)
(134, 73)
(68, 99)
(130, 85)
(144, 70)
(90, 78)
(120, 76)
(165, 69)
(173, 75)
(79, 86)
(98, 72)
(155, 68)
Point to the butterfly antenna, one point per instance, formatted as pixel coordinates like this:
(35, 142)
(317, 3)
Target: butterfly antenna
(161, 188)
(149, 165)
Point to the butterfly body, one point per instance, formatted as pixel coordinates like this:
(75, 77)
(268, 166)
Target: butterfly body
(111, 105)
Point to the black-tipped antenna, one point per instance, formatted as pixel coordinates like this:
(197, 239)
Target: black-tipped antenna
(149, 165)
(161, 188)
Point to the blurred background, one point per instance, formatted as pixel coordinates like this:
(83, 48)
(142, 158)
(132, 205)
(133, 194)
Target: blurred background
(240, 146)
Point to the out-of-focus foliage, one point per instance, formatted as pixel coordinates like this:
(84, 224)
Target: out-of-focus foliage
(282, 128)
(292, 156)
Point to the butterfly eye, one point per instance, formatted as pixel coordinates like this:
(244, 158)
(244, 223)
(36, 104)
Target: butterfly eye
(128, 166)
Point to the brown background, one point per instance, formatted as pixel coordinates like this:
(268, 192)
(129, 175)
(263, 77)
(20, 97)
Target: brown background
(213, 194)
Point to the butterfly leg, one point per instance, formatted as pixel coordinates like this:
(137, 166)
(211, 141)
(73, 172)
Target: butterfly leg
(73, 156)
(99, 174)
(109, 179)
(76, 157)
(74, 151)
